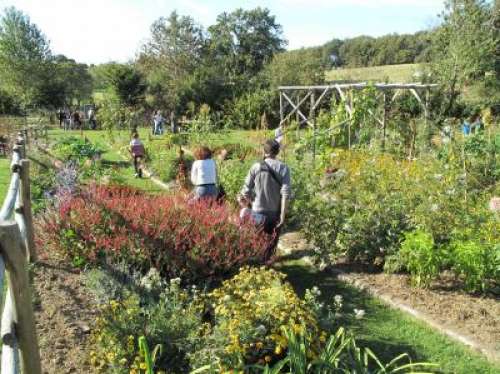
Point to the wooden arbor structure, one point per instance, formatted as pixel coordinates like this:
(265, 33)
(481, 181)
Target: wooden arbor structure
(305, 101)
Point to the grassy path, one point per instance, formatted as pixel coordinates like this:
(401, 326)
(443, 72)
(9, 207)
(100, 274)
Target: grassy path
(111, 158)
(386, 331)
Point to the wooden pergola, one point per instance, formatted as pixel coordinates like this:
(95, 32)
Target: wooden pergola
(294, 99)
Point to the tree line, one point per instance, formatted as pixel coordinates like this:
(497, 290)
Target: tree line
(234, 66)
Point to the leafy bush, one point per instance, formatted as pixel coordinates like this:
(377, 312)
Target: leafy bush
(250, 311)
(232, 175)
(419, 255)
(192, 240)
(246, 111)
(73, 148)
(42, 185)
(475, 256)
(170, 324)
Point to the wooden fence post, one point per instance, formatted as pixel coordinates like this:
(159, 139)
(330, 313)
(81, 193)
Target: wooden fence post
(17, 267)
(25, 207)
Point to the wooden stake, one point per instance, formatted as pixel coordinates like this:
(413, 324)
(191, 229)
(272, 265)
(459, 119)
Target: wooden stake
(17, 267)
(25, 194)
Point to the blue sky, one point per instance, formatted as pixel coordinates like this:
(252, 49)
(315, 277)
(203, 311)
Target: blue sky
(95, 31)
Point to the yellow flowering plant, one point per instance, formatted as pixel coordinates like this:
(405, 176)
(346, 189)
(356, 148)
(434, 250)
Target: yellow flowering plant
(250, 311)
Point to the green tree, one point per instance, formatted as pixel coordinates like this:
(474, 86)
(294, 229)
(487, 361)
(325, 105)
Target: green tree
(73, 78)
(242, 42)
(24, 57)
(168, 59)
(464, 47)
(298, 67)
(121, 80)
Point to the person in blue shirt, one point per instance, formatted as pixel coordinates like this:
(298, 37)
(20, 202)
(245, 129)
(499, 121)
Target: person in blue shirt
(466, 127)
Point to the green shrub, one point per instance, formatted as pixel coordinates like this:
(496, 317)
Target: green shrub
(42, 185)
(173, 322)
(73, 148)
(246, 111)
(232, 175)
(475, 256)
(420, 257)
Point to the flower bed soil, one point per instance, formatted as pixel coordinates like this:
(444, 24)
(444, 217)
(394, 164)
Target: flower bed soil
(64, 313)
(475, 317)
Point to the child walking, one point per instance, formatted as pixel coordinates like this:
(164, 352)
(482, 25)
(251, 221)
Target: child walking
(137, 151)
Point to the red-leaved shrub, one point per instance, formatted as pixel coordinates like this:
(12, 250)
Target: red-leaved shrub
(190, 240)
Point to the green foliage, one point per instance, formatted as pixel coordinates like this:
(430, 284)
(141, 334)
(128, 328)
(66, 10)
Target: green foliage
(365, 207)
(24, 57)
(124, 81)
(169, 58)
(73, 148)
(232, 174)
(341, 354)
(297, 67)
(389, 49)
(246, 111)
(126, 328)
(243, 41)
(475, 255)
(72, 80)
(463, 48)
(42, 183)
(419, 255)
(112, 115)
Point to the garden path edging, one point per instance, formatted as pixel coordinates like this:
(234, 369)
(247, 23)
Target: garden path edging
(471, 343)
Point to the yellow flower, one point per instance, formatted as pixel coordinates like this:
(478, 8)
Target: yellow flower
(278, 350)
(267, 358)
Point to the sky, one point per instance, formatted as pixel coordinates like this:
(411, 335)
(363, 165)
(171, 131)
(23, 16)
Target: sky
(96, 31)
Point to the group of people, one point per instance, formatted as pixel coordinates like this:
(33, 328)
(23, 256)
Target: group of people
(73, 120)
(265, 193)
(264, 196)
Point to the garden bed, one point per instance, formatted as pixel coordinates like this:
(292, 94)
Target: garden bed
(64, 315)
(477, 318)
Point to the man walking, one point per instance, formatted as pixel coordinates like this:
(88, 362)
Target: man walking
(269, 182)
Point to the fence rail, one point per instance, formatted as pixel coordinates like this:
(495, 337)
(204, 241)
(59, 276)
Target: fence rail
(20, 353)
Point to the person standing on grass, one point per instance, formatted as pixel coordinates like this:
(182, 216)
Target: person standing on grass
(269, 181)
(137, 151)
(204, 174)
(60, 115)
(158, 122)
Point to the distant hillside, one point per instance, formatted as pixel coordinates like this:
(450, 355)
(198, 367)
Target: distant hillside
(403, 73)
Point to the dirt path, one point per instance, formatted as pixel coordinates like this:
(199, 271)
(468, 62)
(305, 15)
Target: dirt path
(64, 313)
(473, 320)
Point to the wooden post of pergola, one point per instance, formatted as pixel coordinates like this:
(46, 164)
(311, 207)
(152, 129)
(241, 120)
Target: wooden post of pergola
(292, 102)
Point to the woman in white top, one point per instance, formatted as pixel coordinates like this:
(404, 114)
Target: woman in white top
(204, 174)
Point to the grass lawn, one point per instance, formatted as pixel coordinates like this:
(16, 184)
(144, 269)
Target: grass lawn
(4, 177)
(391, 73)
(389, 332)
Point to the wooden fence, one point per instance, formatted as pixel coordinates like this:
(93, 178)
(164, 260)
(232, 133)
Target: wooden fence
(20, 353)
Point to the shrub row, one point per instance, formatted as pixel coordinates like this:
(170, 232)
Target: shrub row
(192, 240)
